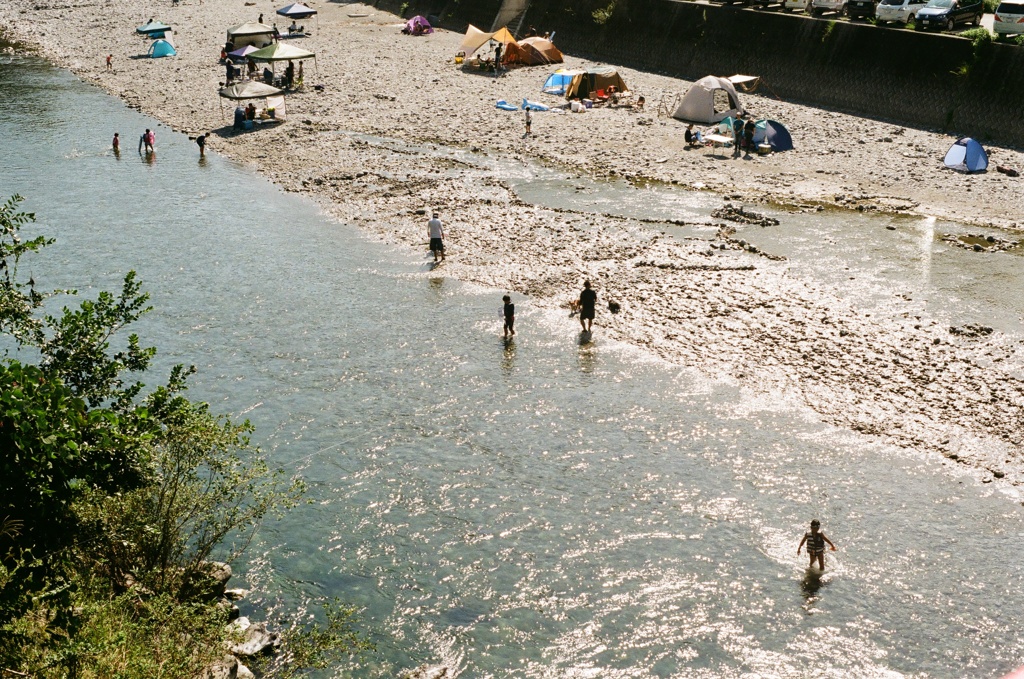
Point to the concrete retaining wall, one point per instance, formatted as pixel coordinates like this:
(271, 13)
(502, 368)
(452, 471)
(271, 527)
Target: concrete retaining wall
(919, 79)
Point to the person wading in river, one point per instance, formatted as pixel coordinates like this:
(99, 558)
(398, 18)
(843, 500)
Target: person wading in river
(815, 540)
(435, 231)
(588, 302)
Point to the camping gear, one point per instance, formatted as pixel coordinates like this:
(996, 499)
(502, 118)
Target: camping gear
(701, 105)
(418, 25)
(558, 81)
(966, 155)
(764, 149)
(594, 79)
(505, 106)
(539, 51)
(534, 105)
(296, 10)
(460, 57)
(153, 29)
(161, 48)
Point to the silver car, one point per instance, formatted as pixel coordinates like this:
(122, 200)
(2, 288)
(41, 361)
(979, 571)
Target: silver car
(899, 11)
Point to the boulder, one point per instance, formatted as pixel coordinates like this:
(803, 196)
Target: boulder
(254, 639)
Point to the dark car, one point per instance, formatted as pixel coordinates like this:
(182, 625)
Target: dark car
(860, 9)
(946, 14)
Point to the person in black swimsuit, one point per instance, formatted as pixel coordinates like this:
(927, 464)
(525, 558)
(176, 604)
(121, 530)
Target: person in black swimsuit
(588, 301)
(815, 540)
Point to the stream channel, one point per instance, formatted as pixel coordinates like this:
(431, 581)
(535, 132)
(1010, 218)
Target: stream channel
(539, 508)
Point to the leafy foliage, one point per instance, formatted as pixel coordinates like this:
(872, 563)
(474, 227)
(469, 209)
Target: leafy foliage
(112, 500)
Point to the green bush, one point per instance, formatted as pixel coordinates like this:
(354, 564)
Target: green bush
(111, 501)
(979, 36)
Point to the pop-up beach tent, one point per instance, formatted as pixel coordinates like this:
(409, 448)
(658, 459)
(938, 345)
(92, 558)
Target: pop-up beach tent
(709, 100)
(558, 81)
(966, 155)
(161, 48)
(539, 51)
(594, 79)
(251, 33)
(153, 29)
(773, 133)
(418, 25)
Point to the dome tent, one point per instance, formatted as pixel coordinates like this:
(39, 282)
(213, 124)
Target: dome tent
(699, 104)
(966, 155)
(161, 48)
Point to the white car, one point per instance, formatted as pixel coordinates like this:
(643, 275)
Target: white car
(819, 7)
(1009, 18)
(796, 6)
(900, 11)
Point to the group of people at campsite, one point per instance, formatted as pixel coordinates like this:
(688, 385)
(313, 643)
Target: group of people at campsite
(743, 130)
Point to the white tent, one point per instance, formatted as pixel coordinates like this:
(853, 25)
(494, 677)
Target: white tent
(709, 100)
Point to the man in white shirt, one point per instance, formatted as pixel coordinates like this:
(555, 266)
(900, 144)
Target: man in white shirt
(435, 231)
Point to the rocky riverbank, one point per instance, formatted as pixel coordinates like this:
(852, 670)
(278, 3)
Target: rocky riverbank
(717, 304)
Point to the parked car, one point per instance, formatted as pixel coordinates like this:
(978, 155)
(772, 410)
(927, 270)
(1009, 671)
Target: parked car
(946, 14)
(860, 9)
(819, 7)
(796, 6)
(1009, 18)
(901, 11)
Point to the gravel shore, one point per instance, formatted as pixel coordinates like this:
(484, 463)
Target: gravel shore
(712, 304)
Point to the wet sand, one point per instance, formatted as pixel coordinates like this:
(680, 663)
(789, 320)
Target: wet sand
(715, 305)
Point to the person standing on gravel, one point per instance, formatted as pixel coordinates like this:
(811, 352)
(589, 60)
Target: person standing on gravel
(435, 231)
(529, 120)
(737, 136)
(497, 59)
(588, 303)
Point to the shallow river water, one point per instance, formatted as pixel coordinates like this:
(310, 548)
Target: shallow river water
(541, 508)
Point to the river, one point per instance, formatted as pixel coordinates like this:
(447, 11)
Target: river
(542, 507)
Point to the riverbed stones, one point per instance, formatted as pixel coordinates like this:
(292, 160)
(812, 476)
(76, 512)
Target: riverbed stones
(255, 639)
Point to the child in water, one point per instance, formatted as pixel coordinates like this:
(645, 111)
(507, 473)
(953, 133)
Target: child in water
(509, 312)
(815, 545)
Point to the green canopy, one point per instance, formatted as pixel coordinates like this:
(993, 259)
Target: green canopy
(280, 51)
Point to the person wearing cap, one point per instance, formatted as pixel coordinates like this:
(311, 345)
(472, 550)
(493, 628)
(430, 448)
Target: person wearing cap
(435, 231)
(588, 303)
(815, 541)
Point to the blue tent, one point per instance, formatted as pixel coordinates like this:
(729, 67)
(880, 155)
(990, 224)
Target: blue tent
(775, 135)
(558, 81)
(161, 48)
(966, 155)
